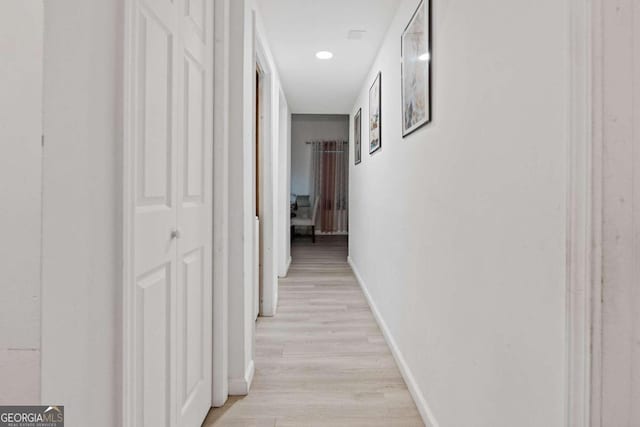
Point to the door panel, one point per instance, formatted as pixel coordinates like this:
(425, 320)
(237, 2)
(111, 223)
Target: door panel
(194, 137)
(154, 216)
(155, 120)
(153, 294)
(196, 11)
(195, 159)
(191, 327)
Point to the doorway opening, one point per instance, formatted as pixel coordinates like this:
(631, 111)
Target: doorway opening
(265, 182)
(258, 280)
(320, 175)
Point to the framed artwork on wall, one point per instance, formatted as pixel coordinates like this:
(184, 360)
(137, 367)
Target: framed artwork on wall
(375, 115)
(416, 70)
(357, 137)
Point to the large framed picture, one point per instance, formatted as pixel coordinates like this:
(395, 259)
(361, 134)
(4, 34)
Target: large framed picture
(375, 115)
(416, 70)
(357, 137)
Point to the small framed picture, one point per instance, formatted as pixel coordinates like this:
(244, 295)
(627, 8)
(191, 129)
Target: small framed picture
(416, 70)
(357, 137)
(375, 115)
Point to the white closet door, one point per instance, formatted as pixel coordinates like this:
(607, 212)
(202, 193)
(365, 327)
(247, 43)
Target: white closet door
(169, 353)
(155, 136)
(195, 126)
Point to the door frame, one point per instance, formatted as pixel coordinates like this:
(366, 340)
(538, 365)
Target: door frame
(219, 218)
(267, 238)
(258, 181)
(220, 370)
(584, 156)
(128, 159)
(283, 170)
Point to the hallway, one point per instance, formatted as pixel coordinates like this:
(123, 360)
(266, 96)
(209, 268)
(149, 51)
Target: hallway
(467, 168)
(321, 361)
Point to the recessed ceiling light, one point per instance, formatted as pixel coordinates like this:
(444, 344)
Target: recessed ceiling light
(323, 54)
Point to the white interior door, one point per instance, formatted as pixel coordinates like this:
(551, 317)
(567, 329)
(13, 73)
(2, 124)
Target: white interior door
(153, 317)
(169, 351)
(195, 216)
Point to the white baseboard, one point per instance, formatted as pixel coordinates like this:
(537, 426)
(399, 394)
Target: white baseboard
(286, 269)
(425, 412)
(241, 386)
(271, 310)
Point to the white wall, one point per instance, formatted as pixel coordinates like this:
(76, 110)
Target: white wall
(21, 32)
(240, 206)
(457, 231)
(617, 119)
(311, 127)
(245, 27)
(82, 232)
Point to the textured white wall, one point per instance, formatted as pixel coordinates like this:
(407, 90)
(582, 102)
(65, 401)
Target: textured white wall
(310, 127)
(458, 230)
(21, 32)
(82, 231)
(617, 83)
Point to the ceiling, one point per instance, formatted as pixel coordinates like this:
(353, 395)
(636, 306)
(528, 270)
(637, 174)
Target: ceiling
(297, 29)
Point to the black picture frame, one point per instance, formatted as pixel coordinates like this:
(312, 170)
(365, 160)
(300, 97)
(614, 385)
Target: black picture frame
(416, 66)
(357, 137)
(375, 114)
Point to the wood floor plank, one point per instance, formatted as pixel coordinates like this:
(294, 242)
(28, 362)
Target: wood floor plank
(321, 361)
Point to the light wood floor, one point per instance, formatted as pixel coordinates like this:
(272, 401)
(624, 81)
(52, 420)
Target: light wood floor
(321, 361)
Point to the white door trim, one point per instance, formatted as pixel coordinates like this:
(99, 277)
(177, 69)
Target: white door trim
(220, 369)
(581, 207)
(128, 409)
(284, 191)
(267, 180)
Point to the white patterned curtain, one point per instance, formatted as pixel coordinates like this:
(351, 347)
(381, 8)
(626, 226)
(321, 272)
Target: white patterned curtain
(330, 182)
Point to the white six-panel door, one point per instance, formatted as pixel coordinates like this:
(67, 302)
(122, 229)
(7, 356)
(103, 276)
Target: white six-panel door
(168, 297)
(195, 216)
